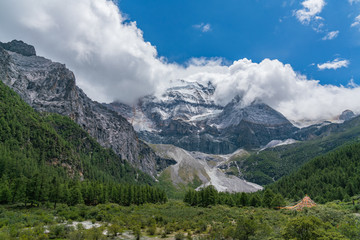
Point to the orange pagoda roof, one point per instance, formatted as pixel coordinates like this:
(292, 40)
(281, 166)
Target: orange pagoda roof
(306, 202)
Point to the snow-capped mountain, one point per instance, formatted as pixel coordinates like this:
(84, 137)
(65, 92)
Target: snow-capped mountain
(187, 116)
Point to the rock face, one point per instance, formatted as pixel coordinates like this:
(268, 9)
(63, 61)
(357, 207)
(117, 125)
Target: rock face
(201, 169)
(347, 115)
(187, 116)
(49, 86)
(19, 47)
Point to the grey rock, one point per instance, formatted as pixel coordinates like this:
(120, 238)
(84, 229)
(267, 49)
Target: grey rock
(201, 168)
(187, 116)
(347, 115)
(49, 86)
(19, 47)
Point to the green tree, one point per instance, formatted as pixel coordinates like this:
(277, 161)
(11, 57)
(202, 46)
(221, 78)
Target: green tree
(255, 200)
(278, 201)
(75, 196)
(5, 193)
(303, 228)
(268, 197)
(245, 228)
(55, 191)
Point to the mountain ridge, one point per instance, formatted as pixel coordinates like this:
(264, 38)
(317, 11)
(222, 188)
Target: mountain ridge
(186, 115)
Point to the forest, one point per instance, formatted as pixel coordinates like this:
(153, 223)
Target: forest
(47, 157)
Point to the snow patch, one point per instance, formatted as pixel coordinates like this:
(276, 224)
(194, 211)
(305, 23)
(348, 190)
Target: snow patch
(276, 143)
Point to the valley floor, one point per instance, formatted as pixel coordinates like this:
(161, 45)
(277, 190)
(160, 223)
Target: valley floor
(176, 220)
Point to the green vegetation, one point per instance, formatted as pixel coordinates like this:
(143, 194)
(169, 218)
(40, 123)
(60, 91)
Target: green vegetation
(334, 176)
(97, 162)
(209, 196)
(271, 164)
(177, 220)
(48, 158)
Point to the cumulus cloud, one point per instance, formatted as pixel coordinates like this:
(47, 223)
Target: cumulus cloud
(331, 35)
(203, 27)
(112, 61)
(278, 85)
(310, 11)
(107, 53)
(335, 64)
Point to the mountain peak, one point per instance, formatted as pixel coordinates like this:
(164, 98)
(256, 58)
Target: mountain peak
(19, 47)
(346, 115)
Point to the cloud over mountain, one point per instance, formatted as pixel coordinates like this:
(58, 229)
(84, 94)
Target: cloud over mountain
(112, 61)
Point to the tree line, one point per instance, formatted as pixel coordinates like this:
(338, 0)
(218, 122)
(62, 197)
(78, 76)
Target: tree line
(39, 190)
(210, 196)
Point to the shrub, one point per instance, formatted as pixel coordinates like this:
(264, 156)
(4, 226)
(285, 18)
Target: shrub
(179, 236)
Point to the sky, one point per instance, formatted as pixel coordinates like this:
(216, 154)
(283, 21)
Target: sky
(300, 57)
(276, 29)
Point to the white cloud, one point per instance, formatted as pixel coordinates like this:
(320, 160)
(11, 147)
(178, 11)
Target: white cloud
(310, 11)
(335, 64)
(112, 61)
(331, 35)
(356, 21)
(108, 54)
(352, 84)
(353, 1)
(276, 84)
(203, 27)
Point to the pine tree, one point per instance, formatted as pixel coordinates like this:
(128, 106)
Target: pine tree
(5, 193)
(244, 199)
(55, 191)
(255, 200)
(268, 197)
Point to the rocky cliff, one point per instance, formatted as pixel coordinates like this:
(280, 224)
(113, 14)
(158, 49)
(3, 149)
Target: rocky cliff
(51, 87)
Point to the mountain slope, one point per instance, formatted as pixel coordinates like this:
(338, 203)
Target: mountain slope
(269, 165)
(51, 87)
(333, 176)
(31, 143)
(199, 170)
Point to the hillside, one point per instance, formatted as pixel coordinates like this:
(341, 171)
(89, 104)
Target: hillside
(333, 176)
(41, 153)
(49, 86)
(266, 166)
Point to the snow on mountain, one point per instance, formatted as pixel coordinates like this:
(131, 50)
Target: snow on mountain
(190, 101)
(276, 143)
(187, 116)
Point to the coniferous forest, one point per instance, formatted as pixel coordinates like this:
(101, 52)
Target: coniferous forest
(47, 157)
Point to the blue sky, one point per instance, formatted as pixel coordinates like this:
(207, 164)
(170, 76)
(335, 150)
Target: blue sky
(255, 30)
